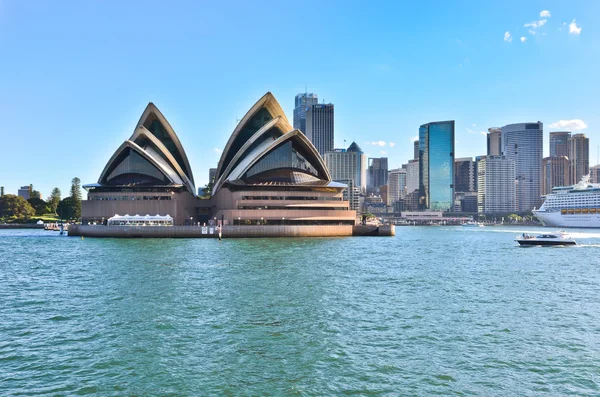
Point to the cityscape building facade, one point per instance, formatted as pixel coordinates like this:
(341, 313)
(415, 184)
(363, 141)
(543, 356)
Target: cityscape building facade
(465, 176)
(579, 156)
(523, 143)
(416, 150)
(555, 172)
(377, 174)
(302, 103)
(24, 191)
(496, 184)
(559, 143)
(320, 126)
(494, 141)
(436, 166)
(396, 185)
(595, 174)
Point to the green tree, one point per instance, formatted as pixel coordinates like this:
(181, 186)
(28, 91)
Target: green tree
(12, 206)
(54, 199)
(75, 198)
(65, 209)
(39, 205)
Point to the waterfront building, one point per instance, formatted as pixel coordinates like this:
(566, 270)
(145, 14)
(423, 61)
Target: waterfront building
(377, 174)
(555, 172)
(25, 191)
(523, 143)
(396, 185)
(579, 156)
(416, 150)
(496, 184)
(436, 166)
(595, 174)
(465, 175)
(271, 174)
(148, 174)
(559, 143)
(494, 141)
(320, 126)
(465, 202)
(302, 103)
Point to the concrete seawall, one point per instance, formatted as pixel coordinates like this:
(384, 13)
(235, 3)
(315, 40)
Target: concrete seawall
(228, 231)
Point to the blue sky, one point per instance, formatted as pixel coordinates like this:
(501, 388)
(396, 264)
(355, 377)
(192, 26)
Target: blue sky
(76, 75)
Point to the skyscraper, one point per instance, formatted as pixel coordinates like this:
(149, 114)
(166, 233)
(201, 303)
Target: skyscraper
(465, 178)
(377, 174)
(496, 184)
(416, 150)
(524, 143)
(595, 174)
(302, 103)
(396, 185)
(558, 143)
(212, 172)
(579, 156)
(436, 166)
(319, 126)
(494, 141)
(555, 172)
(349, 166)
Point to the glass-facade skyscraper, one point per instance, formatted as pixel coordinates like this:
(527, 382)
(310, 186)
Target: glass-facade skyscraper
(559, 143)
(301, 105)
(436, 166)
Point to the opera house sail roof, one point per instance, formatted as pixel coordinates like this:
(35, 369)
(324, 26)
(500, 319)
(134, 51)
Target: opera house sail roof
(264, 149)
(152, 157)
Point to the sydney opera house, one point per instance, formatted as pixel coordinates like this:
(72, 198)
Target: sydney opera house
(269, 175)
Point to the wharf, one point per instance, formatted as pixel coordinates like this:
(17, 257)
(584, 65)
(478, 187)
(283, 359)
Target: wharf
(229, 231)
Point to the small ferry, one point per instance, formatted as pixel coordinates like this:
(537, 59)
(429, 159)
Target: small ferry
(472, 224)
(546, 239)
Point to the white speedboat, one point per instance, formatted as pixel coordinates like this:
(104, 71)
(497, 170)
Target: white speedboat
(472, 224)
(546, 239)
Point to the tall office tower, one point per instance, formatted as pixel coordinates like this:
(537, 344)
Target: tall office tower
(24, 192)
(559, 143)
(436, 166)
(319, 126)
(465, 177)
(494, 141)
(416, 150)
(555, 172)
(1, 191)
(377, 174)
(212, 172)
(524, 143)
(396, 185)
(302, 103)
(595, 174)
(496, 184)
(349, 166)
(579, 156)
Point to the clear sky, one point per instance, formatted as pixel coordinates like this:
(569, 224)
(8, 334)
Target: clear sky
(76, 75)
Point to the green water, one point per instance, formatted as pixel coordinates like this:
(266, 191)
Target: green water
(432, 311)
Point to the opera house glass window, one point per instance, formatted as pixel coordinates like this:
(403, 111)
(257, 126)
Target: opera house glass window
(284, 159)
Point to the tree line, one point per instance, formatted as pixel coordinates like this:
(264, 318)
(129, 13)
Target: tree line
(69, 208)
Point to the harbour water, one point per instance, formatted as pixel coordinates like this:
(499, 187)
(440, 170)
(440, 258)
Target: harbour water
(431, 311)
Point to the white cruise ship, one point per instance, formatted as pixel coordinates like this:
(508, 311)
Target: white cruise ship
(571, 206)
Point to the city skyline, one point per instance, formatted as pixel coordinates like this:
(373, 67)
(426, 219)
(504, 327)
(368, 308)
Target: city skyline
(379, 95)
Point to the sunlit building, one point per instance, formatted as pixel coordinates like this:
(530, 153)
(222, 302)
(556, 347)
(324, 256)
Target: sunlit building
(579, 156)
(555, 172)
(436, 166)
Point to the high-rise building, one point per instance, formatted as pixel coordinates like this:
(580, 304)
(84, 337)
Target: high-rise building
(494, 141)
(416, 150)
(465, 177)
(595, 174)
(349, 166)
(559, 143)
(377, 174)
(319, 126)
(412, 176)
(524, 143)
(212, 172)
(396, 185)
(24, 191)
(302, 103)
(555, 172)
(1, 191)
(579, 156)
(436, 166)
(496, 184)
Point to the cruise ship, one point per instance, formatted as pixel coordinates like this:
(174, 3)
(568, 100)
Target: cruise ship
(572, 206)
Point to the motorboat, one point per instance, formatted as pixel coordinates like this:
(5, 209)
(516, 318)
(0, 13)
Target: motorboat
(546, 239)
(472, 224)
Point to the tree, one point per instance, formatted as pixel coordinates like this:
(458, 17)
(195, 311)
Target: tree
(65, 209)
(39, 205)
(54, 199)
(75, 201)
(12, 206)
